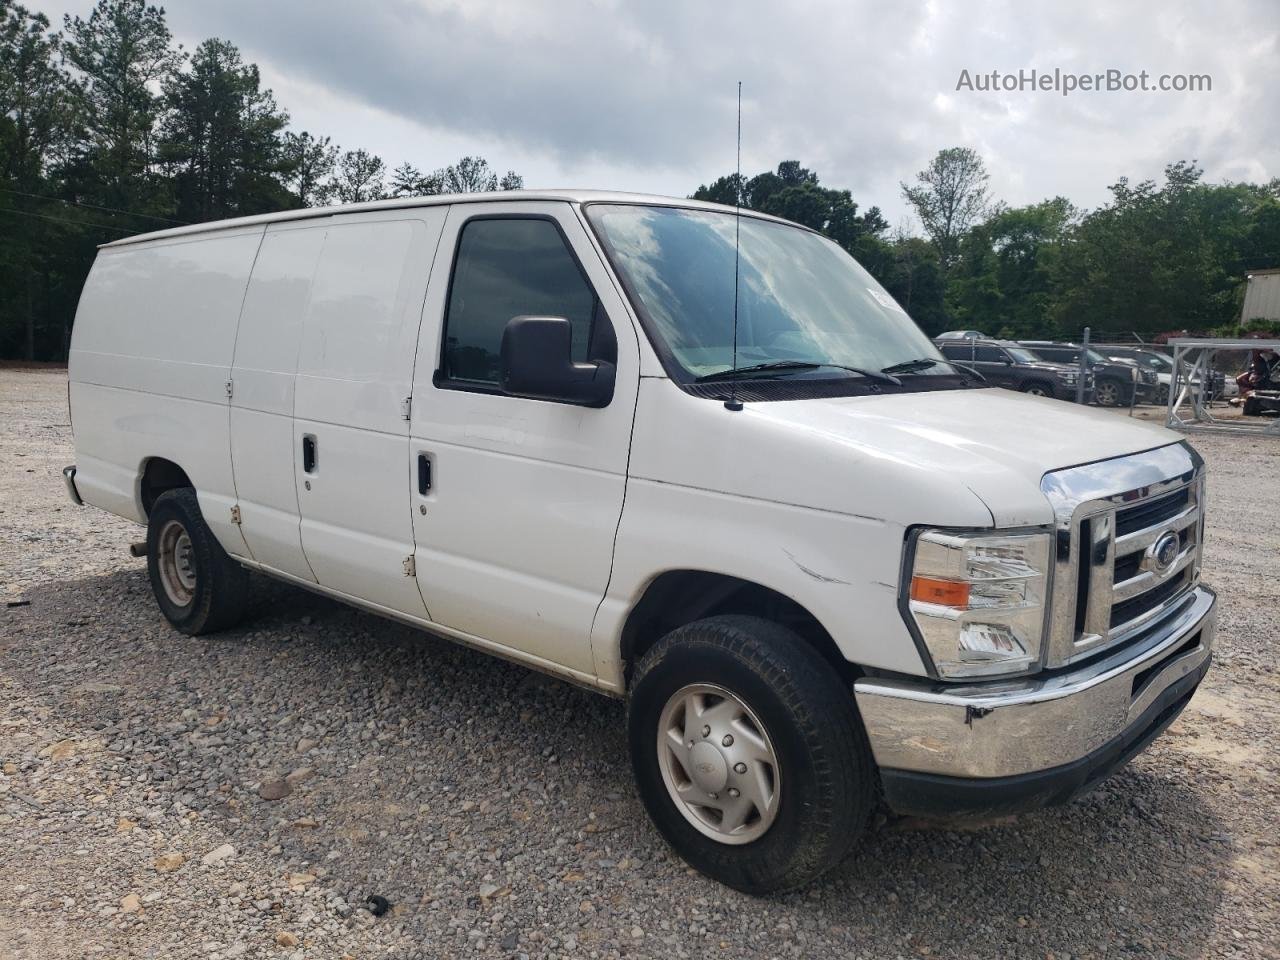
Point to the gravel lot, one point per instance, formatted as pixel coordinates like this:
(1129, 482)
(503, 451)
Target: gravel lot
(494, 809)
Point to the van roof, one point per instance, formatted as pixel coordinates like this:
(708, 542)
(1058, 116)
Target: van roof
(570, 196)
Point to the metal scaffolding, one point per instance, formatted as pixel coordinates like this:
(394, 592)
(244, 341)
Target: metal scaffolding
(1190, 394)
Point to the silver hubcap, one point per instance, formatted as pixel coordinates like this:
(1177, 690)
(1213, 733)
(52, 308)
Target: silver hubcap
(1107, 395)
(718, 763)
(177, 565)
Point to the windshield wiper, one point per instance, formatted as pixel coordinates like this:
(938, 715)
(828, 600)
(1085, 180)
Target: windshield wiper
(785, 365)
(734, 372)
(910, 366)
(967, 370)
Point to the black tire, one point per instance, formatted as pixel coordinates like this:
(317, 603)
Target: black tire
(1108, 393)
(212, 590)
(1162, 395)
(1038, 388)
(827, 776)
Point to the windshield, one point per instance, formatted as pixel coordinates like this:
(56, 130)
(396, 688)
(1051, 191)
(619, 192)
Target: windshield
(801, 298)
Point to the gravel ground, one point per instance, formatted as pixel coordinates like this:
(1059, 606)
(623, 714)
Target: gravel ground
(493, 808)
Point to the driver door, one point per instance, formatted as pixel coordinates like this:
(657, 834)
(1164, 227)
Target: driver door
(517, 500)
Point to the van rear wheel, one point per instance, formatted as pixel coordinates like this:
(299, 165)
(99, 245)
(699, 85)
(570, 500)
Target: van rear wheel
(748, 753)
(199, 588)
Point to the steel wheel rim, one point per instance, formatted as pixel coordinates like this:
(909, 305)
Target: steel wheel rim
(1108, 395)
(718, 764)
(176, 561)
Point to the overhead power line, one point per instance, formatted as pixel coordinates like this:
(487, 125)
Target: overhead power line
(74, 223)
(94, 206)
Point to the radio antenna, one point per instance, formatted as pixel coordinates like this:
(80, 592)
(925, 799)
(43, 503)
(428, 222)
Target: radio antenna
(733, 403)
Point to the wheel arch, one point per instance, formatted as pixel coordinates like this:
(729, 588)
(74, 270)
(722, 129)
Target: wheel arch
(156, 476)
(674, 598)
(1045, 385)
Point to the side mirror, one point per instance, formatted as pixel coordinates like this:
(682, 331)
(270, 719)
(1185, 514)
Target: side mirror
(536, 361)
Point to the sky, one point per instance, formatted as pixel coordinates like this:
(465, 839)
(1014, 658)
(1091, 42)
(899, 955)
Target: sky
(641, 95)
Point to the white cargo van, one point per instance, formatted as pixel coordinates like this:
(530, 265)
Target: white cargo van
(700, 462)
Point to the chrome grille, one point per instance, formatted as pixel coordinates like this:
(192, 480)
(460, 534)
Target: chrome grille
(1129, 536)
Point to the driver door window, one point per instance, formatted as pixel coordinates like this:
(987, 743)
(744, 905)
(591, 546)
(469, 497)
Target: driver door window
(505, 268)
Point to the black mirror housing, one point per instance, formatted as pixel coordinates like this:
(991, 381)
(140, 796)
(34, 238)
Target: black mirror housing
(536, 362)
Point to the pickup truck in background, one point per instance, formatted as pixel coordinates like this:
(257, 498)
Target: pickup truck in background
(690, 457)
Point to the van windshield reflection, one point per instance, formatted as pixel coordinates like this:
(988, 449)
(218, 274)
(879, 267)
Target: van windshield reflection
(800, 297)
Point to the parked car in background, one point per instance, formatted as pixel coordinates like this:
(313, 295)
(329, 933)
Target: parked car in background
(1114, 384)
(1006, 363)
(1162, 366)
(961, 335)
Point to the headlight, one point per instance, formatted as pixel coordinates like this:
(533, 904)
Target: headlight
(978, 600)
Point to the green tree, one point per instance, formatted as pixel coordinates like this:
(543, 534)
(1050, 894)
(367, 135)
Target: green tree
(408, 181)
(122, 55)
(1159, 257)
(468, 175)
(727, 190)
(471, 175)
(359, 177)
(949, 197)
(222, 138)
(35, 131)
(794, 193)
(1005, 279)
(309, 163)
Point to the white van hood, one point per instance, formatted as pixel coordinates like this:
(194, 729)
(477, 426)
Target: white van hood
(997, 443)
(947, 458)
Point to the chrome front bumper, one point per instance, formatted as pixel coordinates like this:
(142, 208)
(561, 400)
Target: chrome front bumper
(1069, 721)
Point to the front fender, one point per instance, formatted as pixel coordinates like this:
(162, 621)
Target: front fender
(843, 569)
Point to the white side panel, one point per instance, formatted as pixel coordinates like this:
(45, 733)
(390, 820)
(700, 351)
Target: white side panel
(355, 369)
(266, 361)
(118, 430)
(356, 363)
(150, 357)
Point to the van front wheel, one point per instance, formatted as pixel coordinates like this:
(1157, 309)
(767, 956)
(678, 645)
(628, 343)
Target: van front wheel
(199, 588)
(748, 753)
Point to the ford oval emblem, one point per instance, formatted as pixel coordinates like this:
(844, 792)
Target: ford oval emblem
(1163, 554)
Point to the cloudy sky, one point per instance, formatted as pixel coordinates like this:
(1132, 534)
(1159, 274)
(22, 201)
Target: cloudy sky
(640, 95)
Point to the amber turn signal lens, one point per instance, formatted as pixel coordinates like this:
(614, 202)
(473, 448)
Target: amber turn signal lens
(947, 593)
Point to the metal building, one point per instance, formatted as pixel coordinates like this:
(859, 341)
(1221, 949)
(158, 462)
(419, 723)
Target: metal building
(1261, 296)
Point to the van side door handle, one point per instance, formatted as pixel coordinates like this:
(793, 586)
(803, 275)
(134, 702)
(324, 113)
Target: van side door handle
(308, 453)
(424, 474)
